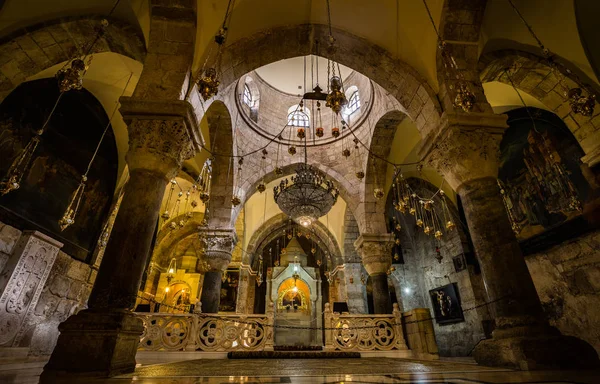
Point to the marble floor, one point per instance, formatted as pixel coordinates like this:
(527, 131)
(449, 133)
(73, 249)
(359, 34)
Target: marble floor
(364, 370)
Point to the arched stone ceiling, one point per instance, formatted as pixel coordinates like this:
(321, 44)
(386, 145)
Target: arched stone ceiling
(553, 21)
(402, 27)
(19, 14)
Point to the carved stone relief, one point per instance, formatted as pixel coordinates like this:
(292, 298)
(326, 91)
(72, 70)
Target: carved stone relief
(375, 251)
(22, 283)
(466, 148)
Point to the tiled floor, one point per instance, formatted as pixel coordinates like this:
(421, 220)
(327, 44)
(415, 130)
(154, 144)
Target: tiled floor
(320, 371)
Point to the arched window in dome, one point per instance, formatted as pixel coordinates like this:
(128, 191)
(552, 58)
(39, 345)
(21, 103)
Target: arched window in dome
(298, 118)
(353, 103)
(247, 96)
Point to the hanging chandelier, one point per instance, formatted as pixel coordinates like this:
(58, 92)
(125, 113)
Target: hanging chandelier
(307, 196)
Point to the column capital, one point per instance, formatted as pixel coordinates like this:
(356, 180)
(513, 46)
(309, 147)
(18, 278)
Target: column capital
(375, 250)
(218, 245)
(465, 147)
(162, 134)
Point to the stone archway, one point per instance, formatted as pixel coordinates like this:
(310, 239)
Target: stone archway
(417, 98)
(33, 49)
(272, 227)
(224, 166)
(531, 74)
(371, 210)
(460, 28)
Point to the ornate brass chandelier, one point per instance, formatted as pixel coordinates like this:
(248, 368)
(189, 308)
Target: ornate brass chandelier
(307, 196)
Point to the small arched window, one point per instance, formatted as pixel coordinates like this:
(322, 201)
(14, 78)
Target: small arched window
(353, 104)
(298, 119)
(247, 96)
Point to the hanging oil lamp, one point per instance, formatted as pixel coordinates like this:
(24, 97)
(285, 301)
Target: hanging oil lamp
(335, 132)
(292, 150)
(336, 99)
(235, 199)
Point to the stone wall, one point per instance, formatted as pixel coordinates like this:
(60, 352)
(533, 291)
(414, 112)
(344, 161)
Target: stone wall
(356, 291)
(567, 278)
(66, 292)
(422, 272)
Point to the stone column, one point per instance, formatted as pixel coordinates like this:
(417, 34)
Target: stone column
(22, 282)
(242, 292)
(218, 244)
(355, 289)
(465, 151)
(374, 250)
(103, 339)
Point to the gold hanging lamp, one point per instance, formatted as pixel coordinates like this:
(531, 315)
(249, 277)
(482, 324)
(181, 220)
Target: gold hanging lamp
(208, 81)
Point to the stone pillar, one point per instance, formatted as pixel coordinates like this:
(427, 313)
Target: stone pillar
(465, 151)
(22, 282)
(241, 305)
(355, 289)
(218, 244)
(103, 339)
(375, 250)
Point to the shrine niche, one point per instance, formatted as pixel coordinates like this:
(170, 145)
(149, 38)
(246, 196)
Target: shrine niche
(65, 149)
(540, 174)
(293, 296)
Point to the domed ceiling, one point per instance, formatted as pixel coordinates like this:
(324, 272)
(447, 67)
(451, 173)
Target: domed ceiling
(290, 75)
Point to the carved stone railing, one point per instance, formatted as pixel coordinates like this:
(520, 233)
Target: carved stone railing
(194, 332)
(352, 332)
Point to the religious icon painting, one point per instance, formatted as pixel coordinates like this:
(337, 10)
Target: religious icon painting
(459, 263)
(446, 304)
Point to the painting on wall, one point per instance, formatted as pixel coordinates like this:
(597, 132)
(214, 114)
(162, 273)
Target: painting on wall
(229, 287)
(459, 262)
(540, 174)
(446, 304)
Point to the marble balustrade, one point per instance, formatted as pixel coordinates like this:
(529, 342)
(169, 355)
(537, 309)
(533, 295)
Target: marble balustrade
(193, 332)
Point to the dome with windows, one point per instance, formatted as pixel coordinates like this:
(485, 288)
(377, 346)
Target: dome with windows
(284, 88)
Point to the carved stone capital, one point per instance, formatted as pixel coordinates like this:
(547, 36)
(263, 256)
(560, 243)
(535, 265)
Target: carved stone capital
(161, 134)
(465, 147)
(218, 245)
(375, 251)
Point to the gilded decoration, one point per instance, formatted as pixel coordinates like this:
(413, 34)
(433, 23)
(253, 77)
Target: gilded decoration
(290, 299)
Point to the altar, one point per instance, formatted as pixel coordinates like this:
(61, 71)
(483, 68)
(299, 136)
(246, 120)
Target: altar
(295, 291)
